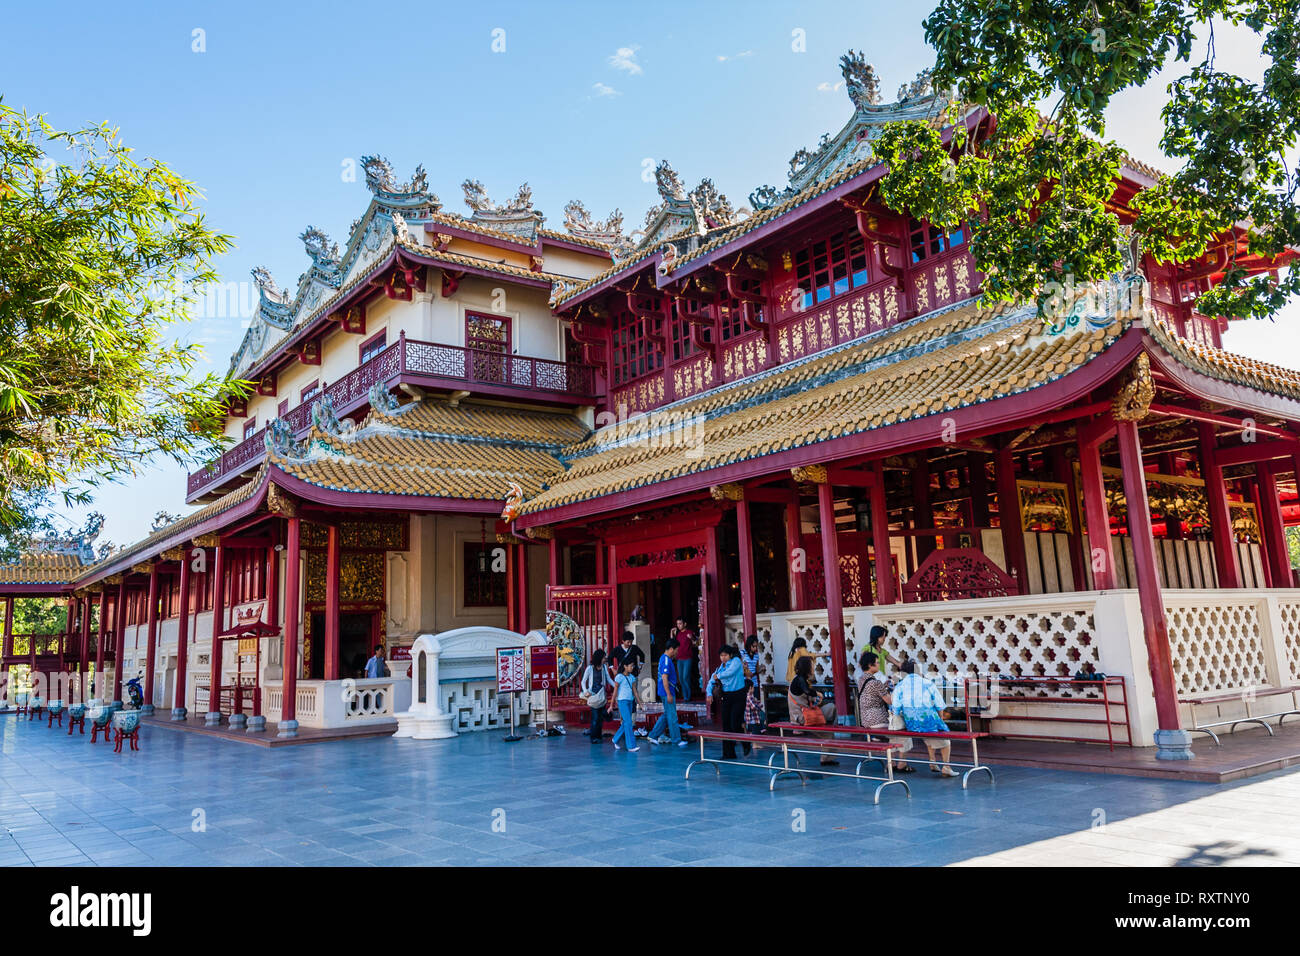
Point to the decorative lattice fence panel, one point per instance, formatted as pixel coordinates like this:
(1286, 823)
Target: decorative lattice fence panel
(1215, 646)
(1290, 613)
(1017, 643)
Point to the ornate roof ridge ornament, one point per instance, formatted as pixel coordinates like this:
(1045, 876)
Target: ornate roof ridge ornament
(280, 502)
(578, 222)
(383, 184)
(78, 544)
(517, 216)
(326, 419)
(384, 401)
(280, 443)
(324, 254)
(852, 144)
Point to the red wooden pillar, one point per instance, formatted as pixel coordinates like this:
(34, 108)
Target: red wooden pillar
(69, 624)
(119, 640)
(84, 656)
(1101, 555)
(1251, 491)
(553, 561)
(1226, 560)
(1154, 625)
(99, 689)
(521, 588)
(151, 639)
(885, 590)
(715, 602)
(834, 597)
(1272, 527)
(512, 593)
(979, 489)
(272, 579)
(1013, 538)
(213, 715)
(796, 555)
(744, 535)
(179, 711)
(610, 566)
(332, 562)
(289, 696)
(9, 627)
(923, 514)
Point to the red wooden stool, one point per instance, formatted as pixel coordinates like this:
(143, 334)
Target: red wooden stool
(53, 716)
(119, 735)
(78, 721)
(35, 711)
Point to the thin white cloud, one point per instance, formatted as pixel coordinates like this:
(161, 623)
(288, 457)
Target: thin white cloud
(624, 58)
(827, 88)
(724, 59)
(603, 90)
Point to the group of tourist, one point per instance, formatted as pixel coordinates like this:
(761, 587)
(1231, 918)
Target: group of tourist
(891, 696)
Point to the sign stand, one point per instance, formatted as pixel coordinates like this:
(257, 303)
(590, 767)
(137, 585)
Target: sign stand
(544, 675)
(510, 680)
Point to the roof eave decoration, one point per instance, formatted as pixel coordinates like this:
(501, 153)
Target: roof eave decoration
(581, 226)
(412, 198)
(853, 143)
(518, 216)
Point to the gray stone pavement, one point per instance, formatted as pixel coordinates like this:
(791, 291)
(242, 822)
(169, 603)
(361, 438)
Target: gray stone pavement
(190, 800)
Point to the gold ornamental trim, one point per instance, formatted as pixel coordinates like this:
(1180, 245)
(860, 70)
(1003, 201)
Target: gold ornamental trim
(176, 554)
(727, 492)
(543, 532)
(207, 541)
(815, 474)
(280, 502)
(1134, 399)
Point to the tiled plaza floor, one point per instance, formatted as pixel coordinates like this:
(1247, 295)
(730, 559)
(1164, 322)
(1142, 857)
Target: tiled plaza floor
(478, 800)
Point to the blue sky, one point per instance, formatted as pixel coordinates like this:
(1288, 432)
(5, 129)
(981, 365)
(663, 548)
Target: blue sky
(582, 95)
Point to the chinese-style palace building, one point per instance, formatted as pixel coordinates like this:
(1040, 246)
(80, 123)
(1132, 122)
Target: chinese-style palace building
(793, 420)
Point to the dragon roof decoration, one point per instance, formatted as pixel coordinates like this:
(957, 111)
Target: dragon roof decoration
(517, 216)
(853, 143)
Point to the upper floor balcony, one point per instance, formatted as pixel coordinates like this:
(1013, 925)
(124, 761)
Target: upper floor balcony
(426, 365)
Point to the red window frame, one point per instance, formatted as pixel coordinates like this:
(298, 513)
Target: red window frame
(308, 392)
(482, 588)
(250, 426)
(631, 354)
(283, 408)
(731, 312)
(483, 343)
(372, 346)
(927, 242)
(829, 267)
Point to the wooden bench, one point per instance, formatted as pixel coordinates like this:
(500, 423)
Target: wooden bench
(971, 735)
(788, 746)
(1247, 698)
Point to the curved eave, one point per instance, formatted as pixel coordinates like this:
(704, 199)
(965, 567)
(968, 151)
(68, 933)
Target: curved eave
(336, 498)
(1211, 389)
(148, 550)
(899, 438)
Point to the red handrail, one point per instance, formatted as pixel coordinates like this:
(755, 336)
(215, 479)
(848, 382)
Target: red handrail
(408, 356)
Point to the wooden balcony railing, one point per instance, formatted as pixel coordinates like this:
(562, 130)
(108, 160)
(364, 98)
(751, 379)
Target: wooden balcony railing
(416, 361)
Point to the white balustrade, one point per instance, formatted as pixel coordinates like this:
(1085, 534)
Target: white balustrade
(1220, 640)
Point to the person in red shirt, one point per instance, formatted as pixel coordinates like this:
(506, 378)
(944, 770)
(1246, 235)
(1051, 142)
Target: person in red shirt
(686, 642)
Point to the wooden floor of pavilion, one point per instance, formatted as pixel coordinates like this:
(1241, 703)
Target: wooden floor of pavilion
(1247, 753)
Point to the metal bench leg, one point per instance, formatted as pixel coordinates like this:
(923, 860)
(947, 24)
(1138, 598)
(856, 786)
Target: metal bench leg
(695, 763)
(803, 778)
(1202, 730)
(1252, 720)
(890, 783)
(966, 776)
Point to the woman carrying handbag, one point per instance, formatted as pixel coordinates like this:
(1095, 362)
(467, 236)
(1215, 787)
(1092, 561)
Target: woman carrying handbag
(596, 680)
